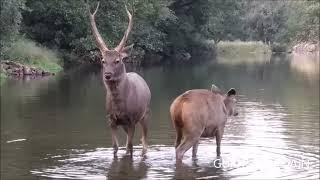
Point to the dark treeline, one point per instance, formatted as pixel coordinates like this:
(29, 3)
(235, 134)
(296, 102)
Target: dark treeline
(162, 28)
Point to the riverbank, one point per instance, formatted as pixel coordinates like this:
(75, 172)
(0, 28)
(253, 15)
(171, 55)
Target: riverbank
(232, 48)
(305, 59)
(11, 68)
(25, 58)
(306, 48)
(243, 52)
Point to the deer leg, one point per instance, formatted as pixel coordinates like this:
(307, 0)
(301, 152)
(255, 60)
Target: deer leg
(130, 134)
(144, 127)
(178, 136)
(195, 149)
(219, 134)
(115, 143)
(125, 128)
(185, 145)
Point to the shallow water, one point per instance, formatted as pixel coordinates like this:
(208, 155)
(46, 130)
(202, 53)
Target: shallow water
(56, 127)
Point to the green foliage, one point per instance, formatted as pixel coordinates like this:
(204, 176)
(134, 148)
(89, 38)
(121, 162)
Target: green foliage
(303, 21)
(55, 23)
(10, 18)
(282, 21)
(224, 20)
(69, 23)
(152, 20)
(239, 48)
(240, 52)
(27, 52)
(163, 27)
(265, 21)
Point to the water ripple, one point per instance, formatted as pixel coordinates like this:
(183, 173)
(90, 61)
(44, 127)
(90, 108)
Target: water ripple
(257, 144)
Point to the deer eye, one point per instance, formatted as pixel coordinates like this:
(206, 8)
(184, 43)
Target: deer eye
(103, 61)
(117, 61)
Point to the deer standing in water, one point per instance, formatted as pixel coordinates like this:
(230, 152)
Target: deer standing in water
(128, 95)
(201, 113)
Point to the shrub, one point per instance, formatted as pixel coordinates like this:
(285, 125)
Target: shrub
(28, 52)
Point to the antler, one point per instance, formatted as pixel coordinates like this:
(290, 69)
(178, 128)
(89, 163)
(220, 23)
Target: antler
(100, 43)
(125, 37)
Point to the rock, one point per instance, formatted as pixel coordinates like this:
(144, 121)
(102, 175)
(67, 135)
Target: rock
(311, 47)
(39, 72)
(305, 48)
(4, 67)
(27, 70)
(186, 56)
(16, 71)
(182, 56)
(44, 73)
(9, 71)
(10, 63)
(33, 71)
(20, 70)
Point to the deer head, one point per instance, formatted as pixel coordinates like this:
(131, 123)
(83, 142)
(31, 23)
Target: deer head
(113, 68)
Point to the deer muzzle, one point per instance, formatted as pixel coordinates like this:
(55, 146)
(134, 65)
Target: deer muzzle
(107, 75)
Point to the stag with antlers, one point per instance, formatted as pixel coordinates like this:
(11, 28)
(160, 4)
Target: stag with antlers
(128, 95)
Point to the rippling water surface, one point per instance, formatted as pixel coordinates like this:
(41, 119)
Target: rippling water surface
(55, 128)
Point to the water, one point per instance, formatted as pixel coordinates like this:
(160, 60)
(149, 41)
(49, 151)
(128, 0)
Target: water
(55, 128)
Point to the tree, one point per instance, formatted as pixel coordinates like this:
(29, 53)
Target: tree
(265, 21)
(10, 21)
(303, 21)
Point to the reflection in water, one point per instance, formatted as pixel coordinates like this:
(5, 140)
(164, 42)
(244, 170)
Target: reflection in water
(65, 134)
(246, 58)
(307, 65)
(120, 168)
(100, 164)
(271, 150)
(255, 145)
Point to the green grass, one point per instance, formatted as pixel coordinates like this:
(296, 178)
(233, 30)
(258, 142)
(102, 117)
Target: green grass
(242, 47)
(239, 52)
(29, 53)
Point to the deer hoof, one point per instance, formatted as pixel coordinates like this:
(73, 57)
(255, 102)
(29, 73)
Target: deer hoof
(144, 151)
(115, 150)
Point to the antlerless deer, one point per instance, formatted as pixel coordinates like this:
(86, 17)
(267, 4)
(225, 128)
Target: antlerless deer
(128, 95)
(201, 113)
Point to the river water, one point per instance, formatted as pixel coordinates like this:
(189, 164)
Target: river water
(55, 128)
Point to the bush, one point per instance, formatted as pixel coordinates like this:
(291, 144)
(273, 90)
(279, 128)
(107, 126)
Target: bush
(278, 47)
(238, 52)
(28, 52)
(240, 47)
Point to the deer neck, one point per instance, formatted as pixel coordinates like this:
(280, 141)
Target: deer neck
(117, 88)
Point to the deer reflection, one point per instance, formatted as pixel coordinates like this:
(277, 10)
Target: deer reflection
(195, 171)
(127, 168)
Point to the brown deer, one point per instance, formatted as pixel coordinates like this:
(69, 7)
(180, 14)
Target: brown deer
(128, 95)
(200, 113)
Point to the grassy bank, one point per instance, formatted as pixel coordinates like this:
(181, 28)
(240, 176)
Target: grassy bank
(238, 52)
(29, 53)
(233, 48)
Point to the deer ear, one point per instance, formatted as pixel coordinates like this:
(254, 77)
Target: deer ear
(231, 92)
(126, 51)
(214, 88)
